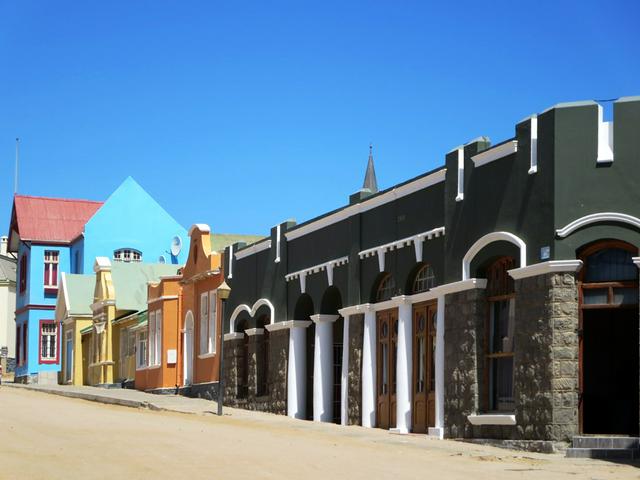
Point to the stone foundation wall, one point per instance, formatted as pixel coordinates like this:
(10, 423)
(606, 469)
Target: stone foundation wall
(463, 336)
(275, 400)
(545, 361)
(354, 378)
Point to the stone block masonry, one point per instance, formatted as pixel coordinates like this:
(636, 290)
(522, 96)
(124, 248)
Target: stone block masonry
(354, 379)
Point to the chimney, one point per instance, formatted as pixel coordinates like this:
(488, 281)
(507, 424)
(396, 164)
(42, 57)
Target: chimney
(3, 245)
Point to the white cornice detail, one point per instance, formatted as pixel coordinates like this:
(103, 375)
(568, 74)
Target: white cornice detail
(323, 318)
(636, 260)
(202, 227)
(533, 158)
(596, 218)
(460, 286)
(366, 205)
(255, 248)
(164, 297)
(233, 336)
(492, 419)
(254, 331)
(274, 327)
(405, 242)
(102, 303)
(546, 267)
(251, 311)
(355, 309)
(328, 266)
(486, 240)
(495, 153)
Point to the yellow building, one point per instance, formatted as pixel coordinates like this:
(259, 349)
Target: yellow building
(102, 315)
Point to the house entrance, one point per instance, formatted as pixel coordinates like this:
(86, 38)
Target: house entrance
(387, 343)
(424, 382)
(608, 341)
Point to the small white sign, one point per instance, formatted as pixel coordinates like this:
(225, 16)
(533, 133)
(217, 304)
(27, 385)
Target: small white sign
(172, 356)
(545, 253)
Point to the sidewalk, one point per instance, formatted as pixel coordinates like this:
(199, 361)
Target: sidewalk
(128, 398)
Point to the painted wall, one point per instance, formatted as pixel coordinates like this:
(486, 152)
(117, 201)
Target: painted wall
(35, 293)
(7, 316)
(131, 218)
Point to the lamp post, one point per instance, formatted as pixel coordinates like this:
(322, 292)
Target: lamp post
(223, 293)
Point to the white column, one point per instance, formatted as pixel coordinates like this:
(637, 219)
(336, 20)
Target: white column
(439, 429)
(404, 368)
(369, 370)
(344, 393)
(323, 368)
(297, 368)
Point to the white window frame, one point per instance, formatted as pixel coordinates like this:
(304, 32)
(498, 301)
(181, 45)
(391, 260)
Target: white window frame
(51, 258)
(51, 348)
(141, 355)
(213, 310)
(158, 346)
(127, 255)
(204, 323)
(151, 349)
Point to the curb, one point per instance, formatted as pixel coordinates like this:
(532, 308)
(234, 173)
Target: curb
(88, 396)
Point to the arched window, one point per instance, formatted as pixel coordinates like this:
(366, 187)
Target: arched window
(501, 330)
(609, 276)
(386, 288)
(424, 280)
(127, 255)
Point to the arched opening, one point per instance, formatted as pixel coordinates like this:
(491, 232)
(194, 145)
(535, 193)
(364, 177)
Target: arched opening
(187, 349)
(242, 370)
(331, 304)
(421, 279)
(608, 339)
(383, 288)
(303, 311)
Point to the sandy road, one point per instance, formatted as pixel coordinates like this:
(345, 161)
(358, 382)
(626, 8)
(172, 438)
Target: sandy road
(46, 436)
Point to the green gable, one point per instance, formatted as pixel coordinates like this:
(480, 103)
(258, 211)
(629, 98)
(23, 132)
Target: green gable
(130, 282)
(79, 293)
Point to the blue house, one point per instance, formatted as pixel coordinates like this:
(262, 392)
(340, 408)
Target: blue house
(55, 235)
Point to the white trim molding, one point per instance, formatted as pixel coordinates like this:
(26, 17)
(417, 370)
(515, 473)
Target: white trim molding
(486, 240)
(255, 248)
(636, 260)
(254, 331)
(533, 159)
(328, 266)
(605, 139)
(278, 234)
(400, 191)
(461, 286)
(274, 327)
(233, 336)
(159, 299)
(495, 153)
(596, 218)
(551, 266)
(251, 311)
(416, 240)
(230, 274)
(202, 227)
(460, 177)
(492, 419)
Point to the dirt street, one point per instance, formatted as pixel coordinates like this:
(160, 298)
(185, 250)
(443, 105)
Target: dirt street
(46, 436)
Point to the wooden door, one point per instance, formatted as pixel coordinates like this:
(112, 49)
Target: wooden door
(387, 341)
(424, 347)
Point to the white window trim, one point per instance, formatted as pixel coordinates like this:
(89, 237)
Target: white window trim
(213, 318)
(52, 259)
(204, 323)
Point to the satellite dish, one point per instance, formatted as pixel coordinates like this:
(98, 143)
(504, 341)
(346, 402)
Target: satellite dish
(161, 259)
(176, 246)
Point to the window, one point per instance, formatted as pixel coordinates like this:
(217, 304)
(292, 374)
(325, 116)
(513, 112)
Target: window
(155, 337)
(127, 255)
(23, 273)
(48, 341)
(51, 259)
(609, 277)
(425, 279)
(501, 330)
(204, 321)
(386, 289)
(141, 349)
(211, 334)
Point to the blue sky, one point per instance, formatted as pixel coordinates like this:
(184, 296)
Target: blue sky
(245, 114)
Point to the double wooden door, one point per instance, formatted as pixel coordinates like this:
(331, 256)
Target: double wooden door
(424, 382)
(387, 347)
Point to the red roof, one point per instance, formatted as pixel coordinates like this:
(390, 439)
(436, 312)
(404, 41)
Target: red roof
(42, 219)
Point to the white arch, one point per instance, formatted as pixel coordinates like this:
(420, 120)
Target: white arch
(595, 218)
(251, 311)
(486, 240)
(188, 349)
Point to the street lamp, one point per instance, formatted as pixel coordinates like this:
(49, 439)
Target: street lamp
(223, 293)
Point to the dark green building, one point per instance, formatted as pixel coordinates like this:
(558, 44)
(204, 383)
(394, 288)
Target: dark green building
(495, 297)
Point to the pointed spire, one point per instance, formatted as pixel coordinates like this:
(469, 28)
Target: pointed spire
(370, 180)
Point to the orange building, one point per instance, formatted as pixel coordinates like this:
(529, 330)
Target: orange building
(183, 329)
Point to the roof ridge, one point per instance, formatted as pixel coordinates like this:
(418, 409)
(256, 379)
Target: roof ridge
(59, 198)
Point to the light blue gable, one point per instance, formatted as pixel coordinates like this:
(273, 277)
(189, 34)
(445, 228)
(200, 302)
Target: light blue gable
(131, 218)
